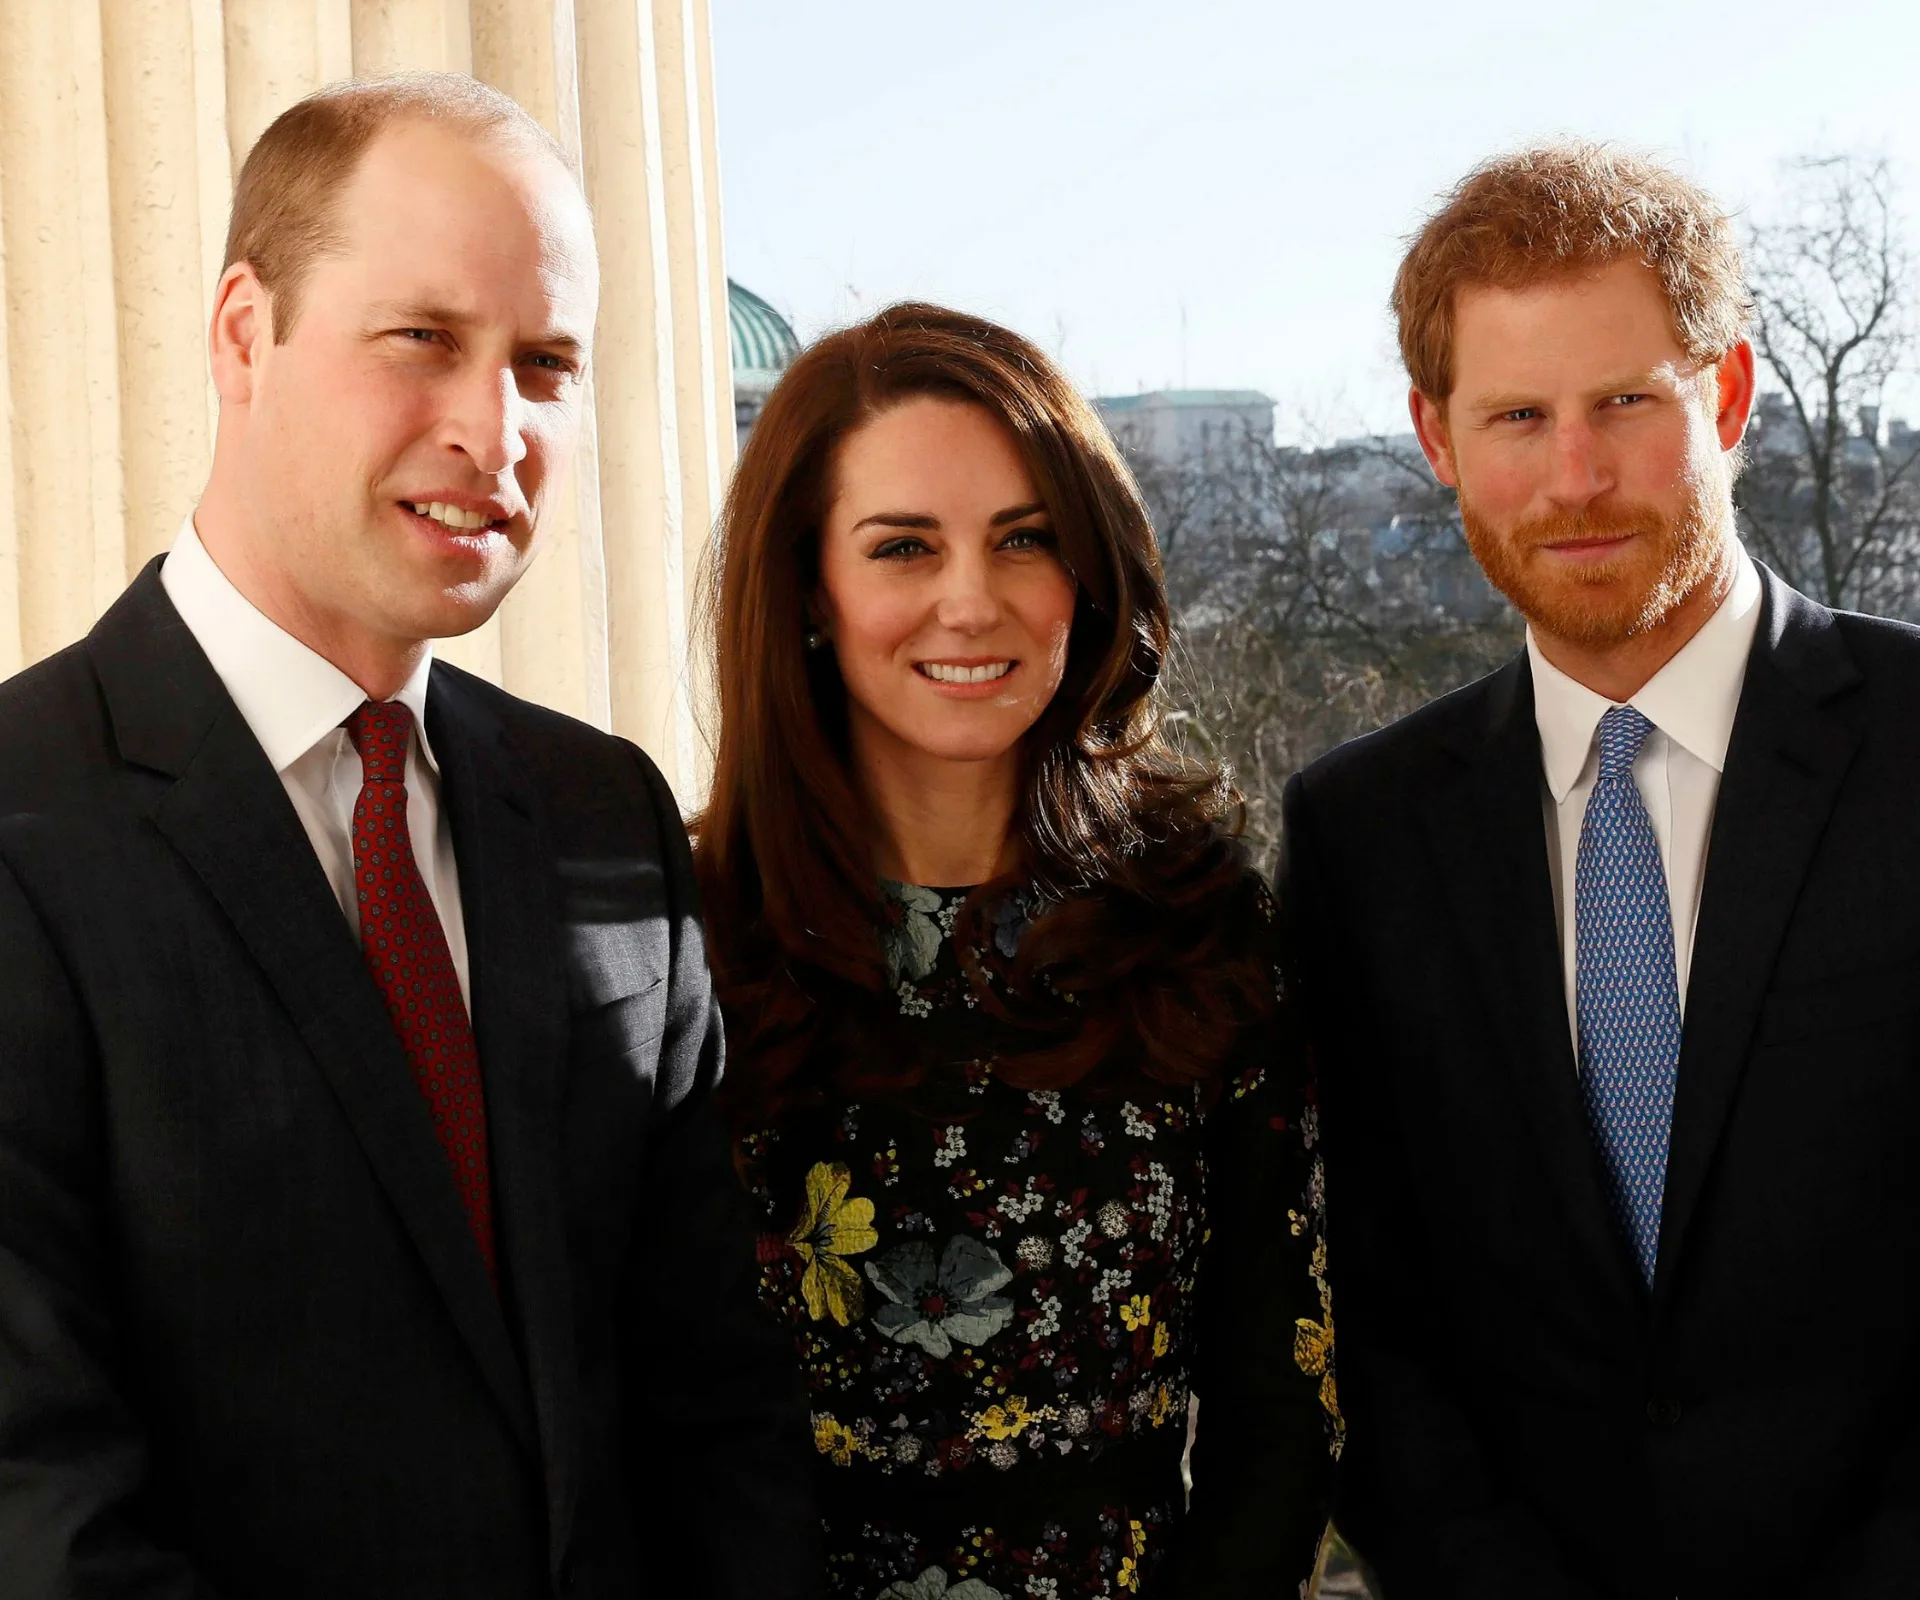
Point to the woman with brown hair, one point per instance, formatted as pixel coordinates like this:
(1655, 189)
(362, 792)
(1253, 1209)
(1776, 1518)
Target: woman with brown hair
(1009, 1066)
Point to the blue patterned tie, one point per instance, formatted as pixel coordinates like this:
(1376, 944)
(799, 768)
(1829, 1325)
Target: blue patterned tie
(1628, 995)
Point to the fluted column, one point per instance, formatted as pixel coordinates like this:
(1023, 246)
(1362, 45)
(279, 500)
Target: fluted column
(121, 125)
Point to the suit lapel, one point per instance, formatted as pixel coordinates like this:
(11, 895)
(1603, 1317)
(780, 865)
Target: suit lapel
(229, 818)
(1784, 767)
(1489, 837)
(519, 1016)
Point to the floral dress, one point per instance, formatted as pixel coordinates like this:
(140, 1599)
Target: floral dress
(1003, 1301)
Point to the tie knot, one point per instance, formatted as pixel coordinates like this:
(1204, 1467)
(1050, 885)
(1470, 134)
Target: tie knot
(379, 731)
(1622, 731)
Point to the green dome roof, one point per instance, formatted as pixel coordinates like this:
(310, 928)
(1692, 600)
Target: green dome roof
(763, 342)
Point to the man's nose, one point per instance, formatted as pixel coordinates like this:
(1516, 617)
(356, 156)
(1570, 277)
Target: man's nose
(1579, 471)
(484, 420)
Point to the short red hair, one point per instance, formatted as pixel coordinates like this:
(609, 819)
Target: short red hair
(1563, 210)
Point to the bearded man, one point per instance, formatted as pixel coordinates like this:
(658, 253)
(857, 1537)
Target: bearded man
(1611, 962)
(367, 1227)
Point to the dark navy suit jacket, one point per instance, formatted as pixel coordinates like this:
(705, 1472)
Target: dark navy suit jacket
(247, 1344)
(1526, 1418)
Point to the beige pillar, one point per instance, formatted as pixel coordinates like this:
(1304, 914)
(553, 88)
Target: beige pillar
(121, 125)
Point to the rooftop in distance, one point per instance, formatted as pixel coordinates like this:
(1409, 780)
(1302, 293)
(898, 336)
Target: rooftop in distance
(1157, 398)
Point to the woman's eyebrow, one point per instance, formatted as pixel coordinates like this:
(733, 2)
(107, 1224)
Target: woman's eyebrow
(898, 519)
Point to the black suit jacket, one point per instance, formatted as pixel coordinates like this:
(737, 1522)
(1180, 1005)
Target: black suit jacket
(247, 1344)
(1526, 1418)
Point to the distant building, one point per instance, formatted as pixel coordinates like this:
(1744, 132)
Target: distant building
(763, 347)
(1188, 427)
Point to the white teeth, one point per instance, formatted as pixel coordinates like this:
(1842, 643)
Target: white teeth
(451, 516)
(942, 673)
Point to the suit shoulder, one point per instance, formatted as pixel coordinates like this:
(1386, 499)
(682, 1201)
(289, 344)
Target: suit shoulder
(1881, 644)
(60, 681)
(561, 744)
(1381, 761)
(53, 728)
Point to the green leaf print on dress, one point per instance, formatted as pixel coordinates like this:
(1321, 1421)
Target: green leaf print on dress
(934, 1307)
(911, 939)
(932, 1585)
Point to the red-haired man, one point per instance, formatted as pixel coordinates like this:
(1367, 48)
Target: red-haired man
(1612, 961)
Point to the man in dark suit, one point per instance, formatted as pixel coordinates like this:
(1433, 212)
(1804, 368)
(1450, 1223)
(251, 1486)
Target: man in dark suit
(366, 1224)
(1611, 966)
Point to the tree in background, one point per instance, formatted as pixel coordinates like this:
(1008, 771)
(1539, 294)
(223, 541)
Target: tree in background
(1321, 593)
(1831, 498)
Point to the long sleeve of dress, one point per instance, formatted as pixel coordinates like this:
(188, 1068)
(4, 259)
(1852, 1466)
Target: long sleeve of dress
(1269, 1427)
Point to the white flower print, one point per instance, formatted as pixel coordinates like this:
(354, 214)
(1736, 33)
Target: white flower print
(1048, 1100)
(1047, 1324)
(1019, 1207)
(1159, 1200)
(1076, 1236)
(953, 1145)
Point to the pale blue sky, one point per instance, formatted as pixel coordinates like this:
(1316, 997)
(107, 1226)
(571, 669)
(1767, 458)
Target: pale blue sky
(1097, 173)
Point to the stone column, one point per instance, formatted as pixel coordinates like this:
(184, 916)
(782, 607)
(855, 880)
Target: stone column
(122, 123)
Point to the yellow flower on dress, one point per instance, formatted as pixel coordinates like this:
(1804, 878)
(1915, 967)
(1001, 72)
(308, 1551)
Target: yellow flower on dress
(1137, 1312)
(1162, 1407)
(1313, 1348)
(1008, 1420)
(1162, 1340)
(831, 1228)
(834, 1440)
(1129, 1576)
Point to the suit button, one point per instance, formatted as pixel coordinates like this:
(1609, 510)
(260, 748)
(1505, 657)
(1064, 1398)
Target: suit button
(1663, 1413)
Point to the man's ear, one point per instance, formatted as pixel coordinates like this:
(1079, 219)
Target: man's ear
(1734, 378)
(241, 332)
(1430, 427)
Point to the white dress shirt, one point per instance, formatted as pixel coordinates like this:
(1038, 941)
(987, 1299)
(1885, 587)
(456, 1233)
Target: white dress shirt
(296, 701)
(1691, 703)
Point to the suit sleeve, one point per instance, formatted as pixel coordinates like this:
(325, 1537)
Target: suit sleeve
(723, 1429)
(1417, 1498)
(73, 1460)
(1269, 1423)
(1878, 1558)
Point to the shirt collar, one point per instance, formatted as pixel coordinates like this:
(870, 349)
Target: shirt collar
(290, 696)
(1692, 699)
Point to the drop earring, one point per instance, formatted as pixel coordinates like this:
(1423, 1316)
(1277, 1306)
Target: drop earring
(815, 639)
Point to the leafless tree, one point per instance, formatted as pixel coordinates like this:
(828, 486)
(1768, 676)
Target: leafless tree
(1831, 498)
(1321, 592)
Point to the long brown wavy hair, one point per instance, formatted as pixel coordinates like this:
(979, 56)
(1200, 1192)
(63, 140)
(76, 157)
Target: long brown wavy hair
(1148, 949)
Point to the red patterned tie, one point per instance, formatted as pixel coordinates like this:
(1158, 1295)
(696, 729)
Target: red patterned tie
(406, 951)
